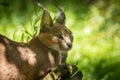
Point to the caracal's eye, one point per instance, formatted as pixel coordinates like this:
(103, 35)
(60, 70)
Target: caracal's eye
(61, 37)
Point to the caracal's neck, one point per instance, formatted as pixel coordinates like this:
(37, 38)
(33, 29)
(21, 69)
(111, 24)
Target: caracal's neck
(36, 44)
(39, 48)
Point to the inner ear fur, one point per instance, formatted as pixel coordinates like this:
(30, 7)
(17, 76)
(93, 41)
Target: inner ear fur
(46, 21)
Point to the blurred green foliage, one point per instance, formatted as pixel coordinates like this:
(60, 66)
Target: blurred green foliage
(95, 25)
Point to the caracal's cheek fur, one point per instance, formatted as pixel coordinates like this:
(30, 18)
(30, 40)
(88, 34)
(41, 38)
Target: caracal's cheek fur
(50, 41)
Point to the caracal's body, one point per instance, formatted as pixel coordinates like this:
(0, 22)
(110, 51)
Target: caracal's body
(32, 60)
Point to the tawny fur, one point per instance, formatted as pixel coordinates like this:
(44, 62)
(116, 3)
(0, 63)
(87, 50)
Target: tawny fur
(32, 60)
(19, 61)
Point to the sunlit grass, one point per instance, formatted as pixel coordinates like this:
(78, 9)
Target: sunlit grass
(90, 46)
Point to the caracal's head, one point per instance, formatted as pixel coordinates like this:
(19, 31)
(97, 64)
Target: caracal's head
(55, 36)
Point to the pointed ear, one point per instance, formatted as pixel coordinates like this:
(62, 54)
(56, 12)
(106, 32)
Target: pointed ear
(46, 21)
(60, 18)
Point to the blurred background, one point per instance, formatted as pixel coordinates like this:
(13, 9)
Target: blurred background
(95, 25)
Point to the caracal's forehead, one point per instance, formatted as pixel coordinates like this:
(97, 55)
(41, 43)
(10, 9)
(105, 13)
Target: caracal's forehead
(60, 29)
